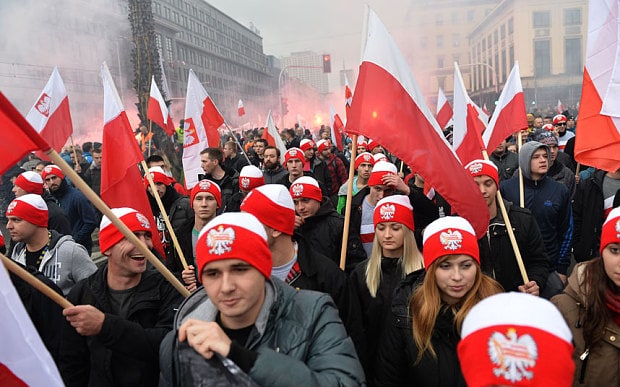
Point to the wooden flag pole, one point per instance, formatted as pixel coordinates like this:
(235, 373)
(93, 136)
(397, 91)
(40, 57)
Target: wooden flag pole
(74, 151)
(521, 193)
(347, 211)
(105, 210)
(34, 282)
(164, 214)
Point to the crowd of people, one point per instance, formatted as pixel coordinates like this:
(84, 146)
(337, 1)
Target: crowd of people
(417, 299)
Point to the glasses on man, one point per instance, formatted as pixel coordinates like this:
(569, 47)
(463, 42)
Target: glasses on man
(561, 124)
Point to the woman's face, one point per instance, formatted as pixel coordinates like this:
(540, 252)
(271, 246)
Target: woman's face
(391, 237)
(611, 261)
(455, 276)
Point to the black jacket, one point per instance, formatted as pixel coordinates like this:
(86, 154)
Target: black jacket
(125, 352)
(395, 364)
(588, 217)
(506, 164)
(57, 219)
(273, 176)
(236, 163)
(229, 184)
(497, 258)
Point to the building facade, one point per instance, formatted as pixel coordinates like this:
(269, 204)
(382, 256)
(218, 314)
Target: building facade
(307, 67)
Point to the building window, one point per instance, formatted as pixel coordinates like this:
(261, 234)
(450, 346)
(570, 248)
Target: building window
(168, 49)
(572, 55)
(456, 38)
(440, 62)
(542, 57)
(572, 17)
(511, 27)
(470, 16)
(502, 32)
(511, 56)
(439, 41)
(542, 19)
(441, 83)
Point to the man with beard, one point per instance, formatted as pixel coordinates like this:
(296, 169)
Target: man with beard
(273, 171)
(78, 209)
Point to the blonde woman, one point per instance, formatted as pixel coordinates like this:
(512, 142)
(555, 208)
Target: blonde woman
(394, 255)
(418, 345)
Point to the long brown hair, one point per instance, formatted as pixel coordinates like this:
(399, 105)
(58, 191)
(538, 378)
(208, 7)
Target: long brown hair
(426, 304)
(596, 315)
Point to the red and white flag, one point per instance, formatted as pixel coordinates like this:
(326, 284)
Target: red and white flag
(348, 95)
(468, 127)
(386, 95)
(202, 120)
(121, 181)
(485, 110)
(598, 138)
(444, 111)
(158, 111)
(240, 109)
(560, 107)
(270, 133)
(509, 115)
(24, 359)
(336, 128)
(50, 115)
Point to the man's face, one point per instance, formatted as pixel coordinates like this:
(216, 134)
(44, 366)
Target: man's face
(299, 131)
(97, 159)
(306, 207)
(204, 205)
(53, 182)
(363, 171)
(539, 164)
(554, 152)
(228, 151)
(20, 230)
(547, 120)
(127, 259)
(308, 153)
(325, 135)
(207, 164)
(18, 191)
(487, 187)
(259, 148)
(570, 124)
(378, 192)
(560, 128)
(538, 122)
(39, 168)
(236, 289)
(161, 189)
(160, 164)
(295, 167)
(361, 149)
(501, 148)
(377, 149)
(270, 159)
(325, 153)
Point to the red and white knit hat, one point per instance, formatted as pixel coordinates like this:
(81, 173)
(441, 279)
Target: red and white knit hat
(483, 167)
(321, 145)
(558, 119)
(364, 157)
(611, 229)
(273, 206)
(250, 177)
(372, 144)
(395, 208)
(294, 153)
(2, 244)
(158, 175)
(548, 127)
(380, 157)
(29, 207)
(109, 235)
(380, 169)
(449, 235)
(306, 144)
(516, 339)
(234, 235)
(30, 182)
(52, 170)
(361, 142)
(306, 187)
(206, 186)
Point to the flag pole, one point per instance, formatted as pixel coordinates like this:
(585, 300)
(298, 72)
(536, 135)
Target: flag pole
(511, 234)
(347, 211)
(34, 282)
(150, 137)
(74, 151)
(105, 210)
(521, 193)
(237, 141)
(173, 235)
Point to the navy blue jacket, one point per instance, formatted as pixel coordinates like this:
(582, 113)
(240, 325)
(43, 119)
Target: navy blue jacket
(80, 212)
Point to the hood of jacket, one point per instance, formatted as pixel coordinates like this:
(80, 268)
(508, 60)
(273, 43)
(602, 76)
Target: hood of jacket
(525, 157)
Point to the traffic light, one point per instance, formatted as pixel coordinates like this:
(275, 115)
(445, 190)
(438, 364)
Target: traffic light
(284, 102)
(327, 63)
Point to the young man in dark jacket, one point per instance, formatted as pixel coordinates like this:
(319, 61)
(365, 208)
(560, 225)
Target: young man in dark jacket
(211, 161)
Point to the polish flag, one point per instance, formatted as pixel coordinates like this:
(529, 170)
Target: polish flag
(560, 107)
(509, 115)
(386, 95)
(24, 359)
(158, 111)
(50, 115)
(468, 128)
(240, 109)
(485, 110)
(202, 119)
(121, 181)
(348, 95)
(444, 111)
(598, 138)
(270, 133)
(336, 128)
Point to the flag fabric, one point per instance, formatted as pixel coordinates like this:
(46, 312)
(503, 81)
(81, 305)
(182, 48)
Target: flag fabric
(509, 115)
(270, 133)
(348, 95)
(386, 95)
(597, 141)
(336, 128)
(50, 115)
(468, 128)
(560, 107)
(485, 110)
(121, 181)
(240, 109)
(444, 111)
(157, 110)
(202, 119)
(24, 359)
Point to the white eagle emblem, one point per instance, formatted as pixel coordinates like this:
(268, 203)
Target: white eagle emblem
(451, 240)
(245, 182)
(387, 211)
(297, 189)
(205, 184)
(513, 355)
(220, 240)
(618, 229)
(292, 152)
(475, 168)
(144, 222)
(11, 207)
(43, 105)
(367, 157)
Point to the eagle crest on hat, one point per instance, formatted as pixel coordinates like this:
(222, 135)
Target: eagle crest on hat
(387, 211)
(513, 355)
(451, 239)
(292, 152)
(618, 228)
(297, 189)
(367, 157)
(11, 207)
(220, 240)
(144, 222)
(475, 168)
(205, 184)
(245, 182)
